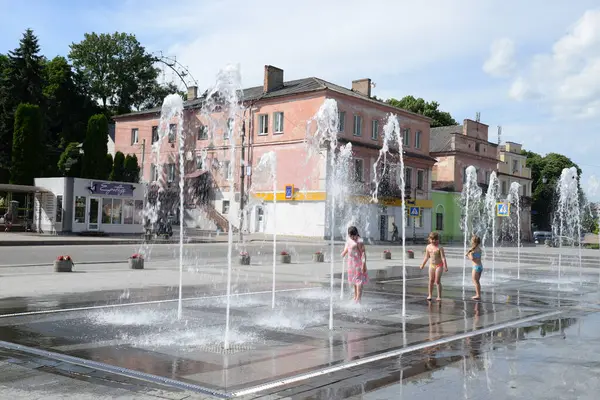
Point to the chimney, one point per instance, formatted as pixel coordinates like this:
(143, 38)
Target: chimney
(362, 86)
(192, 93)
(273, 79)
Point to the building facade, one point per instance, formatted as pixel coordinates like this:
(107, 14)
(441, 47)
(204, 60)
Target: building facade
(294, 199)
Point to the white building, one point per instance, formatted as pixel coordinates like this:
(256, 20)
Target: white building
(84, 205)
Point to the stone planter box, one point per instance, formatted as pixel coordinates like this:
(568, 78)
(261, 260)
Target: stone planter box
(136, 263)
(318, 257)
(387, 256)
(285, 259)
(244, 260)
(63, 266)
(410, 254)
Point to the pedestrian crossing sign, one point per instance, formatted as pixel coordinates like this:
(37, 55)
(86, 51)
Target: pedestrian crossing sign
(414, 211)
(503, 209)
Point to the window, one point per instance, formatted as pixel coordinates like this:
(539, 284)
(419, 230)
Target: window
(417, 139)
(225, 207)
(515, 166)
(80, 208)
(138, 215)
(106, 211)
(172, 132)
(408, 177)
(134, 136)
(128, 206)
(199, 163)
(59, 208)
(117, 211)
(263, 124)
(154, 134)
(170, 172)
(439, 222)
(504, 187)
(357, 125)
(374, 129)
(406, 138)
(359, 167)
(227, 170)
(229, 129)
(153, 173)
(278, 122)
(477, 147)
(202, 132)
(420, 179)
(342, 120)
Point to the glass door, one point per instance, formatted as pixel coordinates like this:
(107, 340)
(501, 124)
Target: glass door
(94, 215)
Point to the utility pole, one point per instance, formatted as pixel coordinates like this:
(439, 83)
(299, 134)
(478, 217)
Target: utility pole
(143, 159)
(242, 179)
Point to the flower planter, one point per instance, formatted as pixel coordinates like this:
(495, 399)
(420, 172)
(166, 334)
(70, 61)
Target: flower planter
(63, 266)
(136, 263)
(285, 259)
(245, 260)
(318, 257)
(410, 254)
(387, 255)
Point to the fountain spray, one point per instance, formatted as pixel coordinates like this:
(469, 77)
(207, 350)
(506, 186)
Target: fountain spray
(471, 197)
(268, 161)
(491, 198)
(514, 198)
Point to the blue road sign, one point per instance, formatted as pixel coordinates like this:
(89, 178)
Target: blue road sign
(502, 209)
(289, 192)
(414, 211)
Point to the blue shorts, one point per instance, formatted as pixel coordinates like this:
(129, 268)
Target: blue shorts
(478, 268)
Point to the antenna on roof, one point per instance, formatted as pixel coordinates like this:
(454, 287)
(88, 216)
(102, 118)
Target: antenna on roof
(499, 135)
(477, 119)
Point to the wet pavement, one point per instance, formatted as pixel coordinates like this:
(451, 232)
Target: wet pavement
(528, 338)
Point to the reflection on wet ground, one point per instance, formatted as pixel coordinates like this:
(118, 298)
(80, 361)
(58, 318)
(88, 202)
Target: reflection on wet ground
(497, 348)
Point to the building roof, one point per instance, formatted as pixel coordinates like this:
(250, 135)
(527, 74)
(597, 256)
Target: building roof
(298, 86)
(440, 139)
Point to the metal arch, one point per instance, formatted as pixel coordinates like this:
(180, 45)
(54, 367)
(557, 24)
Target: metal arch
(179, 69)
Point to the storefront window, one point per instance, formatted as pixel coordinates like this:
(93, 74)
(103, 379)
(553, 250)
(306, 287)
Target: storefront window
(138, 213)
(80, 210)
(128, 212)
(117, 210)
(59, 209)
(106, 211)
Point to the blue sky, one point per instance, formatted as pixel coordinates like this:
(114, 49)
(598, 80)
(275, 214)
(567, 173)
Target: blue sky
(532, 67)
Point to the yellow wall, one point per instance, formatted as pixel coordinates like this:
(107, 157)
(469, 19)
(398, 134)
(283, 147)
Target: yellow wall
(322, 196)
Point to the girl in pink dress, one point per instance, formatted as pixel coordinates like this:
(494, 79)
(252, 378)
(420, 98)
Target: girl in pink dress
(357, 262)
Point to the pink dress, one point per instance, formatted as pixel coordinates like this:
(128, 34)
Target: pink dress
(356, 276)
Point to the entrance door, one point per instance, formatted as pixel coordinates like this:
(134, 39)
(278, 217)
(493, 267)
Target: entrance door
(260, 219)
(383, 227)
(94, 214)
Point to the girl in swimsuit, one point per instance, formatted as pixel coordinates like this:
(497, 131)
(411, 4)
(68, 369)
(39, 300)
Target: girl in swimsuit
(357, 262)
(435, 253)
(474, 254)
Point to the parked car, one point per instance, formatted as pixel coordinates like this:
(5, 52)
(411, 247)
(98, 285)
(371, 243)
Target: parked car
(539, 237)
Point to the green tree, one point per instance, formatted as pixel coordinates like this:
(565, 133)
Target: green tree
(26, 144)
(21, 82)
(118, 168)
(95, 148)
(157, 93)
(132, 169)
(545, 174)
(70, 161)
(115, 68)
(108, 166)
(428, 109)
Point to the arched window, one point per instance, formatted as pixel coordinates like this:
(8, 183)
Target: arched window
(439, 218)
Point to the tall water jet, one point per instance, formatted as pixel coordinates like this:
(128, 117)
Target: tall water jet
(471, 199)
(223, 110)
(268, 161)
(491, 198)
(567, 223)
(514, 198)
(327, 126)
(592, 190)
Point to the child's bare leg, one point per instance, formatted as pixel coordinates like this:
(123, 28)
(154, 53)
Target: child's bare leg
(438, 282)
(359, 290)
(355, 293)
(476, 277)
(431, 282)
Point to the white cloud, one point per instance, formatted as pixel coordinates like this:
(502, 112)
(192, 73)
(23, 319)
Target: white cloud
(567, 79)
(501, 61)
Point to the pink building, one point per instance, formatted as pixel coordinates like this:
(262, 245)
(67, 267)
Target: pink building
(275, 119)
